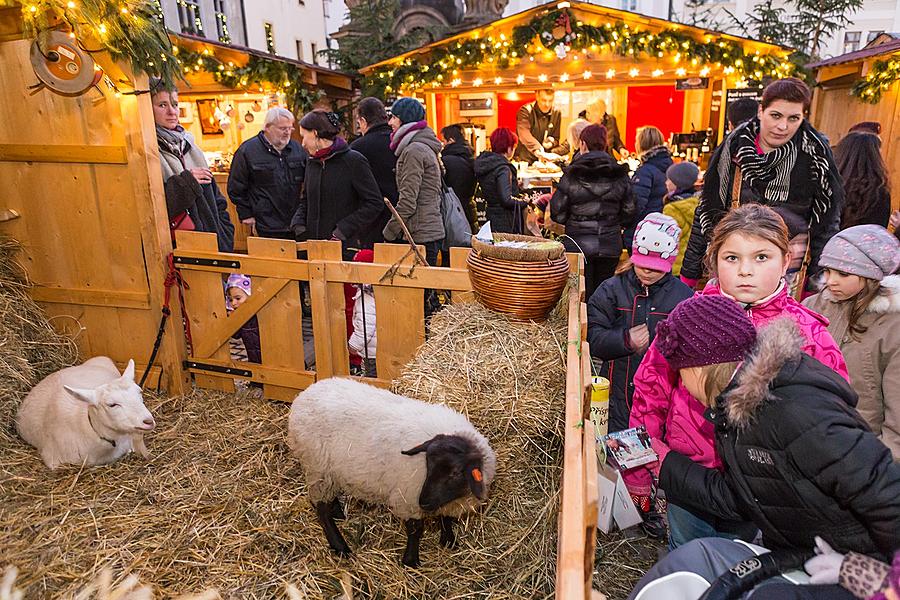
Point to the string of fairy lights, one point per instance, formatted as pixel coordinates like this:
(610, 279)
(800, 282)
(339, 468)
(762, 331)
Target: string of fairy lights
(558, 36)
(881, 76)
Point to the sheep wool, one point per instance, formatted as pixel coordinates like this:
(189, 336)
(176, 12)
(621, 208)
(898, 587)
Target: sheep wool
(349, 437)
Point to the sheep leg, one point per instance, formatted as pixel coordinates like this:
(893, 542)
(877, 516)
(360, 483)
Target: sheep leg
(332, 533)
(337, 511)
(448, 538)
(414, 530)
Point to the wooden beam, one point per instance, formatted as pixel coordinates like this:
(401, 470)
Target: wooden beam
(108, 298)
(296, 380)
(252, 266)
(71, 153)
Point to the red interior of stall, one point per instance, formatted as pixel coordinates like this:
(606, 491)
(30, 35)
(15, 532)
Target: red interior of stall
(508, 104)
(659, 105)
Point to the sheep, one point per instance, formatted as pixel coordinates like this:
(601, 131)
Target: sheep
(417, 459)
(86, 414)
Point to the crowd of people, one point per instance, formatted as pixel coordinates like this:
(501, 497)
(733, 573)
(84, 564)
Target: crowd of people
(770, 396)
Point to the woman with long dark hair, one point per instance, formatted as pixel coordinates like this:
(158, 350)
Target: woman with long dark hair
(867, 195)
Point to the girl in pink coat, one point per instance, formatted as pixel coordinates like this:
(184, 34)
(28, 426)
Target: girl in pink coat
(748, 255)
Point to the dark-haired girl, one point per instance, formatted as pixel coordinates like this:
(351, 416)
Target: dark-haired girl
(867, 198)
(777, 159)
(340, 198)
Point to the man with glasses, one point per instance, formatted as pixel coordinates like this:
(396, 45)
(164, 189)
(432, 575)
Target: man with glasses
(266, 176)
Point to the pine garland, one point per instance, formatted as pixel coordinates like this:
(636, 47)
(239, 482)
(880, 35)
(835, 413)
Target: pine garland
(536, 37)
(129, 30)
(882, 75)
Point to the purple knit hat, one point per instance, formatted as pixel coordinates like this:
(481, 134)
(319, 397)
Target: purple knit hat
(655, 243)
(239, 281)
(705, 330)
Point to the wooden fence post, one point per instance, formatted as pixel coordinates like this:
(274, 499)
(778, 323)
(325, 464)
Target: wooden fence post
(328, 312)
(458, 260)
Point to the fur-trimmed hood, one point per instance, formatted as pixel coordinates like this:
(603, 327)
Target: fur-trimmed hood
(777, 360)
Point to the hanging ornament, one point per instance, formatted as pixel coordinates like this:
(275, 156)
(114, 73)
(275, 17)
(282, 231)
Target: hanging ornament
(560, 38)
(230, 112)
(256, 106)
(240, 126)
(249, 117)
(561, 51)
(62, 66)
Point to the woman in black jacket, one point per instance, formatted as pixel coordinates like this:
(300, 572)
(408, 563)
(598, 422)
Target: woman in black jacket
(340, 198)
(459, 169)
(499, 183)
(595, 201)
(797, 458)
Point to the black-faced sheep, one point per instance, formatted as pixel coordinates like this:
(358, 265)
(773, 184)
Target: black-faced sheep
(418, 459)
(85, 414)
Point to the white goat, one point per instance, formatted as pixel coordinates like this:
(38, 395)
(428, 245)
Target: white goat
(85, 414)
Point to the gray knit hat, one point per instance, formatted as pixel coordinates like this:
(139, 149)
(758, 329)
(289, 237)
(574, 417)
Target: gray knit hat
(866, 250)
(683, 175)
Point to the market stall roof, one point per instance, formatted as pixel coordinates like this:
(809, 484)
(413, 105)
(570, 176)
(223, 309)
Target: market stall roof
(333, 82)
(886, 43)
(559, 33)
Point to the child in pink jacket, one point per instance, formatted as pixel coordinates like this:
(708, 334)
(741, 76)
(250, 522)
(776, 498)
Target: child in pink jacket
(749, 256)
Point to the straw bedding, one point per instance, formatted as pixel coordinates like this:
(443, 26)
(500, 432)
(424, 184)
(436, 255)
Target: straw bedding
(221, 503)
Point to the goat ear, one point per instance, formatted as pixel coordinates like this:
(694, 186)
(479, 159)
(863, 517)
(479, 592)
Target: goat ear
(86, 396)
(423, 447)
(129, 371)
(476, 482)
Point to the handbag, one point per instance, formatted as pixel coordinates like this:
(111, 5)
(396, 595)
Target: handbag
(457, 230)
(182, 221)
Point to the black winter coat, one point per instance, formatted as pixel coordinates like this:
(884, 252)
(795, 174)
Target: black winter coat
(340, 199)
(375, 145)
(499, 183)
(459, 174)
(265, 184)
(618, 304)
(205, 204)
(649, 186)
(798, 459)
(595, 202)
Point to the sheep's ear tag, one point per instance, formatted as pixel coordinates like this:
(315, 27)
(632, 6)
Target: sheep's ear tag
(476, 475)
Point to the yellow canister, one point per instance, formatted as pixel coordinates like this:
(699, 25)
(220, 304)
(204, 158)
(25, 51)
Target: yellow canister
(600, 411)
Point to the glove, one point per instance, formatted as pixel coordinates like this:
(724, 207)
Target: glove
(825, 567)
(691, 283)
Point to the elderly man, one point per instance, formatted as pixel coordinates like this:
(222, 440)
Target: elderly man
(266, 177)
(539, 127)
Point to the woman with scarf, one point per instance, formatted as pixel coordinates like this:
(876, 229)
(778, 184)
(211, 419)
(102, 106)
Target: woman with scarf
(340, 198)
(777, 159)
(418, 178)
(193, 200)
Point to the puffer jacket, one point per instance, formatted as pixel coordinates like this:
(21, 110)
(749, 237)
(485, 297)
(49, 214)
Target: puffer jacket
(681, 207)
(618, 304)
(595, 202)
(670, 413)
(419, 188)
(874, 358)
(649, 185)
(799, 460)
(499, 185)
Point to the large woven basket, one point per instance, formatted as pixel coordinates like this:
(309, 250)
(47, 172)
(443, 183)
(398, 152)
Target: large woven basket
(522, 282)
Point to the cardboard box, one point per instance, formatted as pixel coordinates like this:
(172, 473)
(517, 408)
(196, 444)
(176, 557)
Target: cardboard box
(615, 505)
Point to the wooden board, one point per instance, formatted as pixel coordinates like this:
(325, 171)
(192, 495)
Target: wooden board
(458, 258)
(328, 312)
(398, 337)
(69, 153)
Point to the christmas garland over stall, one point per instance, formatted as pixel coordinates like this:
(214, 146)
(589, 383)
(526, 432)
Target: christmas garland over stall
(882, 75)
(132, 31)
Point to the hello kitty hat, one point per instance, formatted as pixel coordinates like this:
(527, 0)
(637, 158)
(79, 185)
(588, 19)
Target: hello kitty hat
(656, 242)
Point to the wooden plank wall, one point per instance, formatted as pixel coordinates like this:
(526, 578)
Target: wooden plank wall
(83, 175)
(834, 111)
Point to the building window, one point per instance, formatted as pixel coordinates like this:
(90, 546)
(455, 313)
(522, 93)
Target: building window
(270, 38)
(629, 5)
(189, 17)
(872, 35)
(299, 49)
(851, 40)
(315, 53)
(221, 21)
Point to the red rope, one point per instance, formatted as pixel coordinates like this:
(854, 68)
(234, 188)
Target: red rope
(173, 278)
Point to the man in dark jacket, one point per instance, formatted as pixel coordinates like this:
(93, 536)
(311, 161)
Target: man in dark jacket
(459, 166)
(266, 176)
(539, 127)
(798, 459)
(375, 145)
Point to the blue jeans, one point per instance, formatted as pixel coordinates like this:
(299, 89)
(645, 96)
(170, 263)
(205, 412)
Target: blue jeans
(685, 526)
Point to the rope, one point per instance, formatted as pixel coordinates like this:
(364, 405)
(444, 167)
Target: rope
(173, 278)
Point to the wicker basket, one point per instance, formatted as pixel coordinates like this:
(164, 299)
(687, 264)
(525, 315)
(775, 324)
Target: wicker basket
(525, 289)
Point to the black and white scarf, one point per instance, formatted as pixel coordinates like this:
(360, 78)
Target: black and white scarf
(768, 173)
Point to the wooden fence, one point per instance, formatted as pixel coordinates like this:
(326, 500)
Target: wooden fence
(400, 330)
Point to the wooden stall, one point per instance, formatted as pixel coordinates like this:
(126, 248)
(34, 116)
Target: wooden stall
(221, 117)
(835, 109)
(83, 193)
(648, 71)
(276, 303)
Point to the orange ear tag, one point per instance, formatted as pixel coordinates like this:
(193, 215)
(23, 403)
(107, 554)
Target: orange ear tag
(476, 475)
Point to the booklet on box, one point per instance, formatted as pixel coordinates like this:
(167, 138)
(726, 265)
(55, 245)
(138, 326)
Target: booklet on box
(629, 448)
